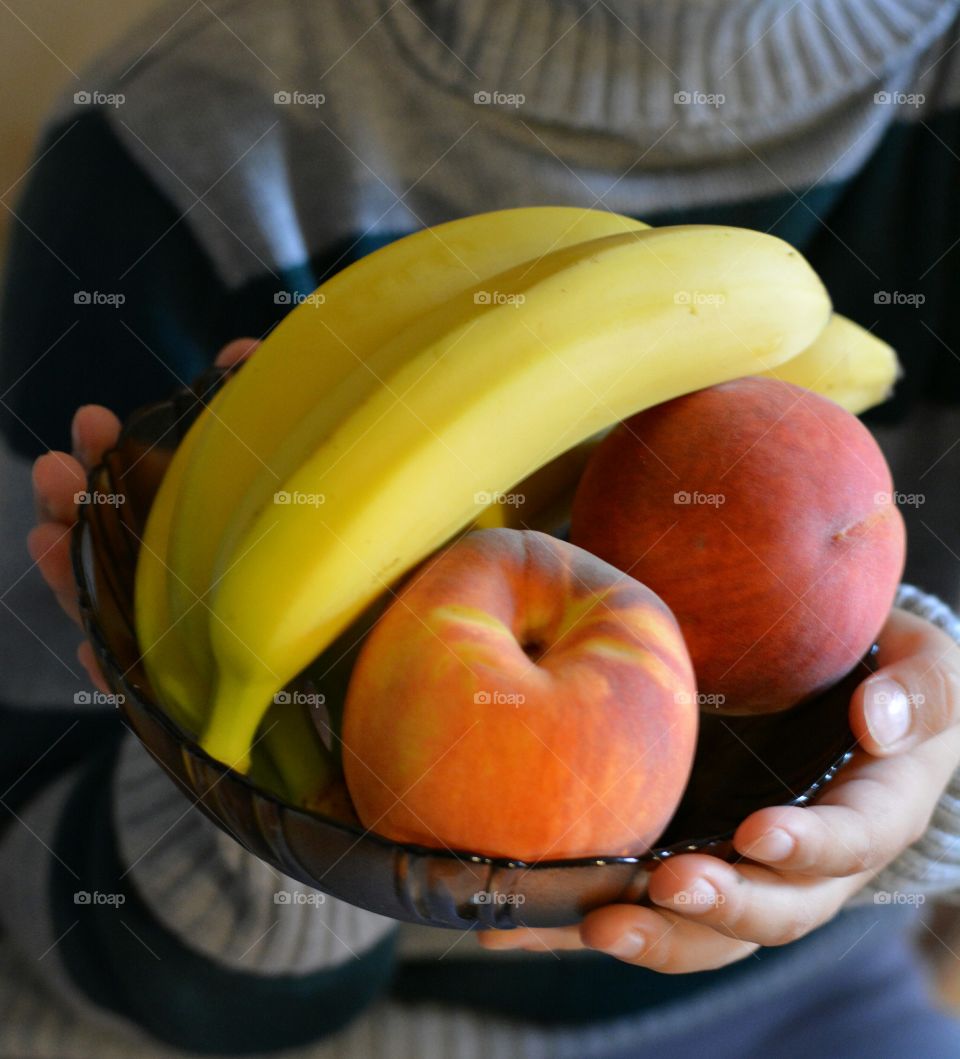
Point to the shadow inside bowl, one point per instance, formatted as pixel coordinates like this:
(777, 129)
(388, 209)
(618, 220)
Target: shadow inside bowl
(742, 763)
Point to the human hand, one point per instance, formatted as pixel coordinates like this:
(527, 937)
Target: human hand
(798, 866)
(59, 476)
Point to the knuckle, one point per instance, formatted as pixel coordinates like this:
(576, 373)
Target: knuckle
(795, 925)
(658, 954)
(940, 705)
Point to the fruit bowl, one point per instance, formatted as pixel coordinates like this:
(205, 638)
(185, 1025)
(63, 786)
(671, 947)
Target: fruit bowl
(742, 763)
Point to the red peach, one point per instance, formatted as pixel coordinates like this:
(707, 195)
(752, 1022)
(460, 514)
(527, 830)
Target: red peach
(762, 514)
(521, 699)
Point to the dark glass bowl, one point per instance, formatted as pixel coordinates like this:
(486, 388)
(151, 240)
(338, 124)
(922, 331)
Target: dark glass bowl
(742, 763)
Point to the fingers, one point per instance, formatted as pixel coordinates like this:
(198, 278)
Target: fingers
(661, 941)
(867, 817)
(94, 430)
(235, 351)
(916, 692)
(57, 478)
(746, 902)
(532, 939)
(49, 547)
(645, 937)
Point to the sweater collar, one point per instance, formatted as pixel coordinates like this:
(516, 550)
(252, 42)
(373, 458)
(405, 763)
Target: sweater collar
(626, 67)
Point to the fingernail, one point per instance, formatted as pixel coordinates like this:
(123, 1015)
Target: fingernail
(628, 946)
(887, 711)
(775, 844)
(701, 896)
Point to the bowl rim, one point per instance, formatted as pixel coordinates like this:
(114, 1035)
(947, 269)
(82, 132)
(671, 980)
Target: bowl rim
(80, 532)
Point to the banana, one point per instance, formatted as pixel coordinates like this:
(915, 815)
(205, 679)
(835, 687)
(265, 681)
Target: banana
(313, 368)
(846, 363)
(178, 684)
(472, 398)
(293, 762)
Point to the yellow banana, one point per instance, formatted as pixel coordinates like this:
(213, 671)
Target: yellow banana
(472, 398)
(293, 762)
(846, 363)
(314, 367)
(178, 684)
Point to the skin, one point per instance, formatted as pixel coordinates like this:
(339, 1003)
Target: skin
(878, 805)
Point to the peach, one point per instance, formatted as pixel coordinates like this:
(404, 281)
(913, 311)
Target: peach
(521, 699)
(762, 514)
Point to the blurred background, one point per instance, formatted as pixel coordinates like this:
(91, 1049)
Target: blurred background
(44, 45)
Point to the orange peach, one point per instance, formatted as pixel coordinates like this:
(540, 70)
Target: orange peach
(521, 699)
(762, 514)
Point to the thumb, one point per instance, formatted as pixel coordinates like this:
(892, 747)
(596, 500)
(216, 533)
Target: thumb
(915, 694)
